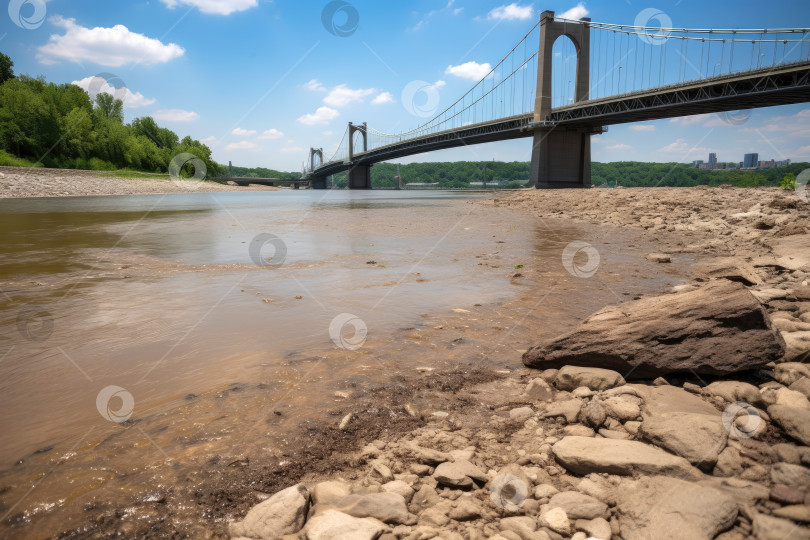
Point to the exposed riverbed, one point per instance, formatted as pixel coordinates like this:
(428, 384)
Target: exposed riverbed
(225, 348)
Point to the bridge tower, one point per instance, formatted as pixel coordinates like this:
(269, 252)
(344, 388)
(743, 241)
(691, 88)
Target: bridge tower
(317, 182)
(359, 175)
(560, 157)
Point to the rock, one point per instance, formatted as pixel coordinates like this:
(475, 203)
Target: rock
(795, 421)
(521, 414)
(697, 437)
(383, 472)
(797, 345)
(658, 257)
(425, 498)
(669, 508)
(578, 505)
(796, 512)
(802, 385)
(790, 475)
(745, 492)
(727, 268)
(428, 456)
(632, 427)
(771, 528)
(334, 525)
(523, 526)
(399, 487)
(622, 408)
(538, 390)
(790, 372)
(784, 494)
(557, 520)
(544, 491)
(433, 517)
(330, 492)
(465, 510)
(614, 434)
(717, 329)
(597, 487)
(733, 391)
(572, 377)
(459, 474)
(386, 507)
(578, 430)
(568, 408)
(593, 414)
(729, 463)
(598, 529)
(583, 455)
(283, 513)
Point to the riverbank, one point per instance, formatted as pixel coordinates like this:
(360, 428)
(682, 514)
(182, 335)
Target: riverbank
(709, 437)
(27, 182)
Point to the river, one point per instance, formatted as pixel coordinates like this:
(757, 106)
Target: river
(142, 335)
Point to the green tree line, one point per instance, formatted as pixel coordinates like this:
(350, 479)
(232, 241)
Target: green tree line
(58, 125)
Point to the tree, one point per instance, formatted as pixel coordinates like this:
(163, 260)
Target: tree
(109, 107)
(6, 71)
(788, 182)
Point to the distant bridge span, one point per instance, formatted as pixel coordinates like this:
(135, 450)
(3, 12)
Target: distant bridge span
(561, 134)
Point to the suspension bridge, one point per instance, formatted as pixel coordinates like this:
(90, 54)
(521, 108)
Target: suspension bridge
(604, 74)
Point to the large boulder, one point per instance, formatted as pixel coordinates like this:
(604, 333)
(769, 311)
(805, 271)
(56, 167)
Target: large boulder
(717, 329)
(697, 437)
(585, 455)
(283, 513)
(387, 507)
(671, 509)
(334, 525)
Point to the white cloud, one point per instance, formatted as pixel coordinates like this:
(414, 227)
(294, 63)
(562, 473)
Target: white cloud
(322, 116)
(112, 47)
(575, 13)
(512, 12)
(618, 146)
(243, 132)
(690, 120)
(315, 85)
(642, 127)
(384, 97)
(97, 85)
(271, 134)
(292, 150)
(458, 10)
(209, 140)
(175, 115)
(241, 145)
(682, 147)
(216, 7)
(342, 95)
(469, 70)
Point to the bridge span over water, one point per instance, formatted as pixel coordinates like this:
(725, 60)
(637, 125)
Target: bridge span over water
(621, 74)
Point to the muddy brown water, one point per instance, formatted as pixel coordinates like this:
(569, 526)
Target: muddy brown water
(144, 339)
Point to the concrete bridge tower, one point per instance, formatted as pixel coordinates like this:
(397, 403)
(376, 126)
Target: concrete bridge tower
(359, 175)
(561, 157)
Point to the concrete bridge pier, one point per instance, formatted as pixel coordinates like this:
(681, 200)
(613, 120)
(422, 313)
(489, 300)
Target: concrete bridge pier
(318, 182)
(360, 177)
(561, 158)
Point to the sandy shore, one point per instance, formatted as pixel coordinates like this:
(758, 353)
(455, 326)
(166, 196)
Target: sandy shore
(23, 182)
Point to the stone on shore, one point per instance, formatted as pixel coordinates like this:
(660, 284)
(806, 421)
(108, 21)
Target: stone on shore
(773, 528)
(283, 513)
(795, 421)
(387, 507)
(578, 505)
(459, 474)
(334, 525)
(666, 508)
(572, 377)
(697, 437)
(718, 329)
(584, 455)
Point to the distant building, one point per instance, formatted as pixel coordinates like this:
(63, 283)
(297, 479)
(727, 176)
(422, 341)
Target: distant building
(767, 164)
(697, 163)
(751, 160)
(783, 163)
(712, 160)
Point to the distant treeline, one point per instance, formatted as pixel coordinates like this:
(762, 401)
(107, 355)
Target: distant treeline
(58, 125)
(626, 173)
(260, 172)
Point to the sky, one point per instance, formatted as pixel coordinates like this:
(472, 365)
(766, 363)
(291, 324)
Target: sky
(262, 81)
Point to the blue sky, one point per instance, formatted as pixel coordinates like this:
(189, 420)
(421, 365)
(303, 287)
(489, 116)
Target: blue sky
(261, 81)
